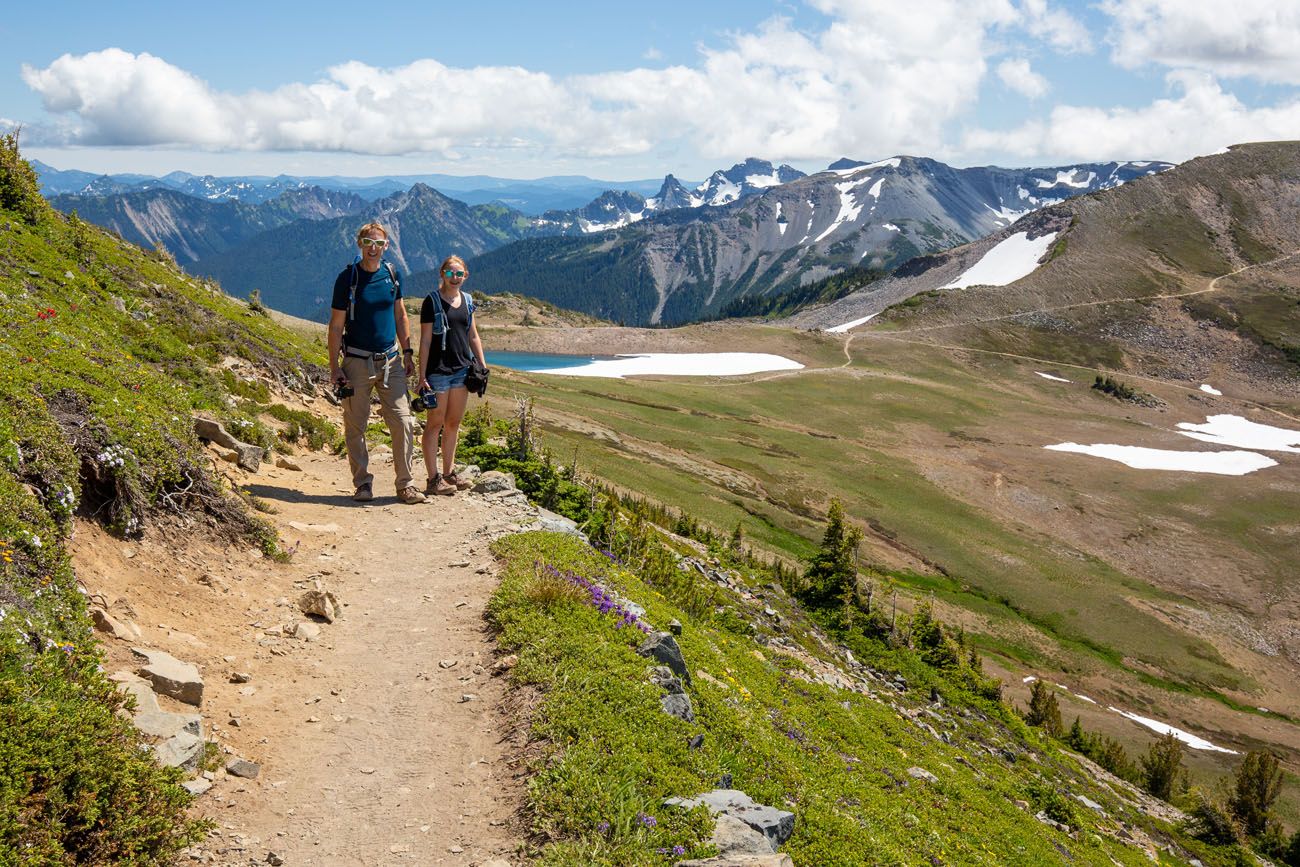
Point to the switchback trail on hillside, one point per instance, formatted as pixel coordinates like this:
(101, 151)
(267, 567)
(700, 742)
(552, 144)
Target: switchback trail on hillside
(382, 741)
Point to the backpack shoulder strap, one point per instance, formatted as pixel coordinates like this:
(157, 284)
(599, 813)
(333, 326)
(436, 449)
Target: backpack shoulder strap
(392, 274)
(469, 304)
(352, 291)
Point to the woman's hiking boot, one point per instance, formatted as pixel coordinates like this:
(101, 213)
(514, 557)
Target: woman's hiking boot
(454, 478)
(440, 486)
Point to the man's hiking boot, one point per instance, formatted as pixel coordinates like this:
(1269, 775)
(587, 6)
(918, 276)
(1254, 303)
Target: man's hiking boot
(455, 479)
(363, 494)
(410, 496)
(440, 486)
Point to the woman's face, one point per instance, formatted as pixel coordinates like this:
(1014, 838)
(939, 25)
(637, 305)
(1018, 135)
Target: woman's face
(454, 273)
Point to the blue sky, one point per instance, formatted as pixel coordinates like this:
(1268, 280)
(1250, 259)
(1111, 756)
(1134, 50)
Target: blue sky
(622, 91)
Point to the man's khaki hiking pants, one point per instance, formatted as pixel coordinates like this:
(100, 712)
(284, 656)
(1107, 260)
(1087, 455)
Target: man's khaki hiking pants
(394, 406)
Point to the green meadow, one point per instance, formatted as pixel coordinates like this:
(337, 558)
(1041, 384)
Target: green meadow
(768, 452)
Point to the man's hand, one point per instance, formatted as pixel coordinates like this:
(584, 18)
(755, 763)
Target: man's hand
(408, 364)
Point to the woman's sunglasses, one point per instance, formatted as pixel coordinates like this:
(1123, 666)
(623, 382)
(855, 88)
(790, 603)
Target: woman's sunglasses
(373, 242)
(450, 274)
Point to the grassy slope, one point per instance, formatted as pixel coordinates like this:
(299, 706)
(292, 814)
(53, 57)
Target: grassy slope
(106, 352)
(839, 759)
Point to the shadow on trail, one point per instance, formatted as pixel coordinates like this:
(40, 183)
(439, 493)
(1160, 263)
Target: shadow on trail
(293, 495)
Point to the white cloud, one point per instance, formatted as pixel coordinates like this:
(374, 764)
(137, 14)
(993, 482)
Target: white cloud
(1255, 38)
(1201, 119)
(1059, 28)
(879, 79)
(1017, 75)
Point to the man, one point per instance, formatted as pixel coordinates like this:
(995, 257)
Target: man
(370, 347)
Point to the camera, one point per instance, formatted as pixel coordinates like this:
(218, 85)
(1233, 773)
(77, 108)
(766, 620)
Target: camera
(426, 399)
(342, 389)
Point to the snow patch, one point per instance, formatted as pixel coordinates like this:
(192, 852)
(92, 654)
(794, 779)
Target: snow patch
(780, 226)
(1012, 259)
(1233, 430)
(1191, 740)
(874, 192)
(1140, 458)
(1209, 389)
(1052, 378)
(840, 329)
(891, 227)
(848, 209)
(1066, 179)
(763, 180)
(679, 364)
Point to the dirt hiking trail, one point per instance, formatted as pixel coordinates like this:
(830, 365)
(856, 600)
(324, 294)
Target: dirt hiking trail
(382, 739)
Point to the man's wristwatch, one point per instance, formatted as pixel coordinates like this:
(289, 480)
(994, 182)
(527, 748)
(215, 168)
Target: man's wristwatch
(408, 351)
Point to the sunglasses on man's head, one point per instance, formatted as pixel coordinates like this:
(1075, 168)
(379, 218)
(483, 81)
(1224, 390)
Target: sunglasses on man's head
(450, 274)
(373, 242)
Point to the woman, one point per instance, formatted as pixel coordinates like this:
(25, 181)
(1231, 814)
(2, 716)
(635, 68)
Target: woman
(449, 344)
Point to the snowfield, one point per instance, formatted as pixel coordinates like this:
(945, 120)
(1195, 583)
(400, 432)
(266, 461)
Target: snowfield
(840, 329)
(1013, 258)
(680, 364)
(1139, 458)
(1233, 430)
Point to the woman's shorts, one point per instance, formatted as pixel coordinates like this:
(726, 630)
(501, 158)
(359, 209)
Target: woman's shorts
(446, 382)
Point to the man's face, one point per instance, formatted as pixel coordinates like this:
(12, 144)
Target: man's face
(372, 245)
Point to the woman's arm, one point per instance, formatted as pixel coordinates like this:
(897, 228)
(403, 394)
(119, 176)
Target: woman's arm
(476, 344)
(426, 341)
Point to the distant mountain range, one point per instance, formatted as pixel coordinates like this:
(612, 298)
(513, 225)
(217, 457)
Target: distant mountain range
(532, 197)
(690, 263)
(682, 254)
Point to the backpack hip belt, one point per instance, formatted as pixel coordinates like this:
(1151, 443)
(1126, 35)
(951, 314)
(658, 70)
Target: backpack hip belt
(373, 358)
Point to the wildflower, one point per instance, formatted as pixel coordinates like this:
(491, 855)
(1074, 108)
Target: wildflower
(603, 827)
(647, 820)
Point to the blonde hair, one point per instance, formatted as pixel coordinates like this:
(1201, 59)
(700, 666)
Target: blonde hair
(449, 260)
(371, 227)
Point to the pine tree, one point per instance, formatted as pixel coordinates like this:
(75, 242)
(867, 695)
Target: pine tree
(1044, 711)
(1162, 765)
(1257, 783)
(832, 574)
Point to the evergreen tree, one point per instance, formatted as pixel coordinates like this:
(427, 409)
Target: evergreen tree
(832, 574)
(1256, 786)
(1162, 765)
(1044, 711)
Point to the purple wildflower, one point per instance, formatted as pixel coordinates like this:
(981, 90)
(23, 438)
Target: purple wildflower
(603, 827)
(679, 849)
(647, 820)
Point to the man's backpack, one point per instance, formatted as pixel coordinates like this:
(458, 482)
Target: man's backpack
(440, 318)
(354, 274)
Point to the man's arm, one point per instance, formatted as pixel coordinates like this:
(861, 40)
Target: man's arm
(334, 343)
(404, 335)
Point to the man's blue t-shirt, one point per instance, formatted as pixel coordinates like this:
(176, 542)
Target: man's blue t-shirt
(372, 328)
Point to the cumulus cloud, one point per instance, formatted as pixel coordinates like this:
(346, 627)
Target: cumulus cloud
(1059, 28)
(1255, 38)
(1017, 75)
(1202, 118)
(879, 79)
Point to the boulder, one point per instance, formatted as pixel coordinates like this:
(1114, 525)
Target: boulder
(287, 464)
(494, 482)
(161, 724)
(775, 825)
(183, 750)
(734, 837)
(922, 774)
(663, 647)
(678, 705)
(775, 860)
(197, 786)
(243, 768)
(306, 631)
(249, 457)
(663, 677)
(319, 603)
(107, 623)
(138, 688)
(555, 523)
(170, 676)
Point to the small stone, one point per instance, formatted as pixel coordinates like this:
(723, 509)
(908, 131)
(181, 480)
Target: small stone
(197, 787)
(286, 464)
(922, 774)
(447, 663)
(243, 768)
(696, 742)
(274, 859)
(240, 677)
(505, 663)
(468, 696)
(675, 626)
